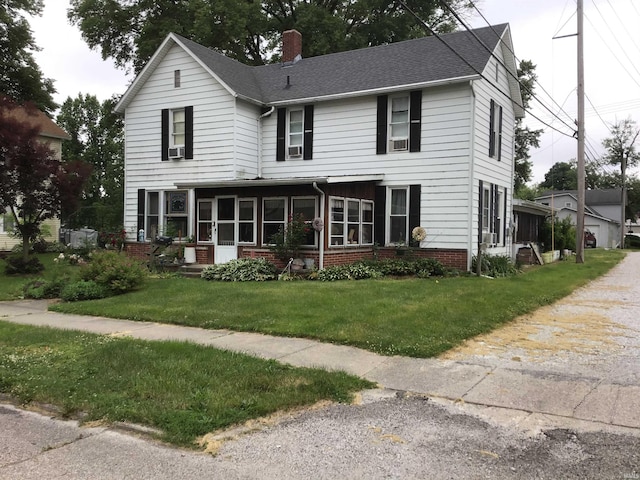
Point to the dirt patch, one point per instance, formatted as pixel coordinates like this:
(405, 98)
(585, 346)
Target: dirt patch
(569, 326)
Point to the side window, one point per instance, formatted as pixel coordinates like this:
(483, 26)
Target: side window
(177, 128)
(306, 208)
(495, 130)
(153, 214)
(247, 220)
(205, 220)
(351, 221)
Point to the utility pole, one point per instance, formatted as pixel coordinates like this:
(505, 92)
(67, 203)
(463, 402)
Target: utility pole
(581, 170)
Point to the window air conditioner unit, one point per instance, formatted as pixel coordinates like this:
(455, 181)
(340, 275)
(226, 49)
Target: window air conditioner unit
(489, 238)
(176, 152)
(398, 145)
(295, 151)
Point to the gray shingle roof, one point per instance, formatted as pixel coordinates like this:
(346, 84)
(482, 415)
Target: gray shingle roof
(412, 62)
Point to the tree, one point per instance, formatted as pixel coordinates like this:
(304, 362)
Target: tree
(97, 138)
(525, 138)
(32, 180)
(20, 76)
(129, 31)
(621, 149)
(561, 176)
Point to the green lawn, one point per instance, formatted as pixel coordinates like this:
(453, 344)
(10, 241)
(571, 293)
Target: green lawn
(183, 389)
(412, 317)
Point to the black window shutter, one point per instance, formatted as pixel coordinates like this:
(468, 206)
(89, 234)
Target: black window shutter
(414, 207)
(492, 129)
(165, 135)
(308, 133)
(506, 221)
(280, 134)
(380, 206)
(415, 115)
(499, 134)
(480, 205)
(188, 132)
(141, 200)
(381, 125)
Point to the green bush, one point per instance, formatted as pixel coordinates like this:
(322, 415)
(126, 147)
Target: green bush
(241, 270)
(496, 266)
(354, 271)
(83, 290)
(114, 271)
(16, 265)
(41, 288)
(429, 267)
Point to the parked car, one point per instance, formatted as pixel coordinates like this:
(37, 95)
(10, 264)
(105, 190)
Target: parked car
(632, 240)
(589, 239)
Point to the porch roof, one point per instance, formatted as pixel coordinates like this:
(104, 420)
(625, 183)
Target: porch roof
(274, 182)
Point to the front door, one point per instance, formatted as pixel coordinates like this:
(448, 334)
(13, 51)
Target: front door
(226, 244)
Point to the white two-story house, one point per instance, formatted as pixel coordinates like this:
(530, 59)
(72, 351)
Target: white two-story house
(372, 142)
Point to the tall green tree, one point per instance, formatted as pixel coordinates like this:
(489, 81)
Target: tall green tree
(525, 138)
(97, 138)
(20, 77)
(129, 31)
(561, 176)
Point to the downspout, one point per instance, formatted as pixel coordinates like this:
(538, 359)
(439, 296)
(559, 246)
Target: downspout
(472, 142)
(264, 115)
(321, 252)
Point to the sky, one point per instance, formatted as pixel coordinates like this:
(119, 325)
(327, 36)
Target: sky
(612, 64)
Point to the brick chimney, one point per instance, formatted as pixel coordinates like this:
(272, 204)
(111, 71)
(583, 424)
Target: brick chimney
(291, 46)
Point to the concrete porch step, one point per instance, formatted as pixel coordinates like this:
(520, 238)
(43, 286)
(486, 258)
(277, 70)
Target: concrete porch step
(192, 270)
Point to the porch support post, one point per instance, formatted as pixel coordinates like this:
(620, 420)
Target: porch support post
(321, 240)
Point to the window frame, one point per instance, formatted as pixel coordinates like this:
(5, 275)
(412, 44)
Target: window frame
(346, 225)
(173, 210)
(289, 144)
(148, 215)
(210, 222)
(172, 127)
(389, 215)
(406, 122)
(307, 221)
(264, 222)
(253, 222)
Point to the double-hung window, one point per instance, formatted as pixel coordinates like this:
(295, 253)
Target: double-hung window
(177, 128)
(274, 217)
(152, 220)
(399, 124)
(495, 130)
(398, 209)
(492, 214)
(205, 220)
(295, 133)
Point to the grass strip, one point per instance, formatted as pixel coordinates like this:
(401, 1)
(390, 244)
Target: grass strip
(412, 317)
(183, 389)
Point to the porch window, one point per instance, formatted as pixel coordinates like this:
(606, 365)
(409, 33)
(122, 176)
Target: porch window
(176, 208)
(351, 221)
(307, 208)
(274, 217)
(399, 215)
(247, 220)
(205, 220)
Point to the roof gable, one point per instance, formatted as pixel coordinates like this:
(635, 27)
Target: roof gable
(401, 65)
(38, 119)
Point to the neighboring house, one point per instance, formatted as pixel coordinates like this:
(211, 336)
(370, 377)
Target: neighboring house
(373, 142)
(53, 135)
(602, 212)
(528, 219)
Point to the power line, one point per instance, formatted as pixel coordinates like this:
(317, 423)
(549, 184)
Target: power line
(455, 14)
(595, 110)
(623, 25)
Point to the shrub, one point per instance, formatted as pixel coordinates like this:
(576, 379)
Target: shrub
(496, 265)
(15, 264)
(41, 288)
(83, 290)
(354, 271)
(116, 272)
(241, 270)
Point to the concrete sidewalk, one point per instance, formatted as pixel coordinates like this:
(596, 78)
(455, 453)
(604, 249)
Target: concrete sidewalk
(574, 363)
